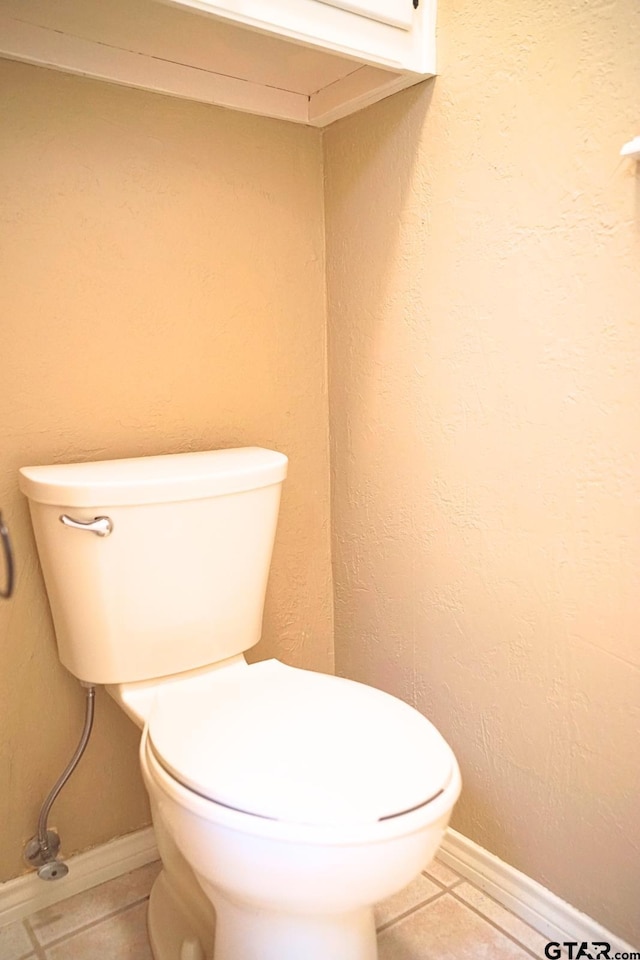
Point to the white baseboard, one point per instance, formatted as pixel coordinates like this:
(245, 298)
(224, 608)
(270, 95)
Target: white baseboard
(25, 895)
(530, 901)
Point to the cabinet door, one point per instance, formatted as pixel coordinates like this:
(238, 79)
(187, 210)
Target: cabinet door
(397, 13)
(392, 34)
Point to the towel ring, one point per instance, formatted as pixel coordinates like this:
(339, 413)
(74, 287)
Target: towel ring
(8, 560)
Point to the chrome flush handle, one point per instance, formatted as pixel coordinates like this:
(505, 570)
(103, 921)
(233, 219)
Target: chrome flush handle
(101, 526)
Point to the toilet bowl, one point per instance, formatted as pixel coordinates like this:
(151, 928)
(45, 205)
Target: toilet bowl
(294, 800)
(286, 803)
(281, 892)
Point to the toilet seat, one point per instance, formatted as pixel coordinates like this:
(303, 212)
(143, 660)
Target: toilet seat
(291, 745)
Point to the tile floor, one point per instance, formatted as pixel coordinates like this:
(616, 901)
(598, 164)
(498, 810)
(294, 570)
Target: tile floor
(440, 916)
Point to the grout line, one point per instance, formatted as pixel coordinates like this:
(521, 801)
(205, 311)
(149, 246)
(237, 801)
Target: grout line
(407, 913)
(456, 883)
(92, 923)
(497, 926)
(38, 949)
(438, 883)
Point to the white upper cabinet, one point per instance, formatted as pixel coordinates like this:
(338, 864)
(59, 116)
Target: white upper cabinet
(395, 14)
(309, 61)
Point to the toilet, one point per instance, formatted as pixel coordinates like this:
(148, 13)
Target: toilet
(286, 803)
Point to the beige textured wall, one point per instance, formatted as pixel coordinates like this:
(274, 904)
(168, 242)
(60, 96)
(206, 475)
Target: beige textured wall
(484, 289)
(161, 289)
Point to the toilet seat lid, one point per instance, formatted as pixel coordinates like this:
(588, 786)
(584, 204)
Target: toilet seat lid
(302, 747)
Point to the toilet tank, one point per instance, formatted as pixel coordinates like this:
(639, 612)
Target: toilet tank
(180, 580)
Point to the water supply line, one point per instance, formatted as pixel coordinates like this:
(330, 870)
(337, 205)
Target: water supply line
(41, 851)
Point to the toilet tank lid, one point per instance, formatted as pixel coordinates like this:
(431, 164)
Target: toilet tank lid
(157, 479)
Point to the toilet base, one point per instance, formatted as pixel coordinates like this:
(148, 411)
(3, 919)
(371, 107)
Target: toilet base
(257, 934)
(173, 934)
